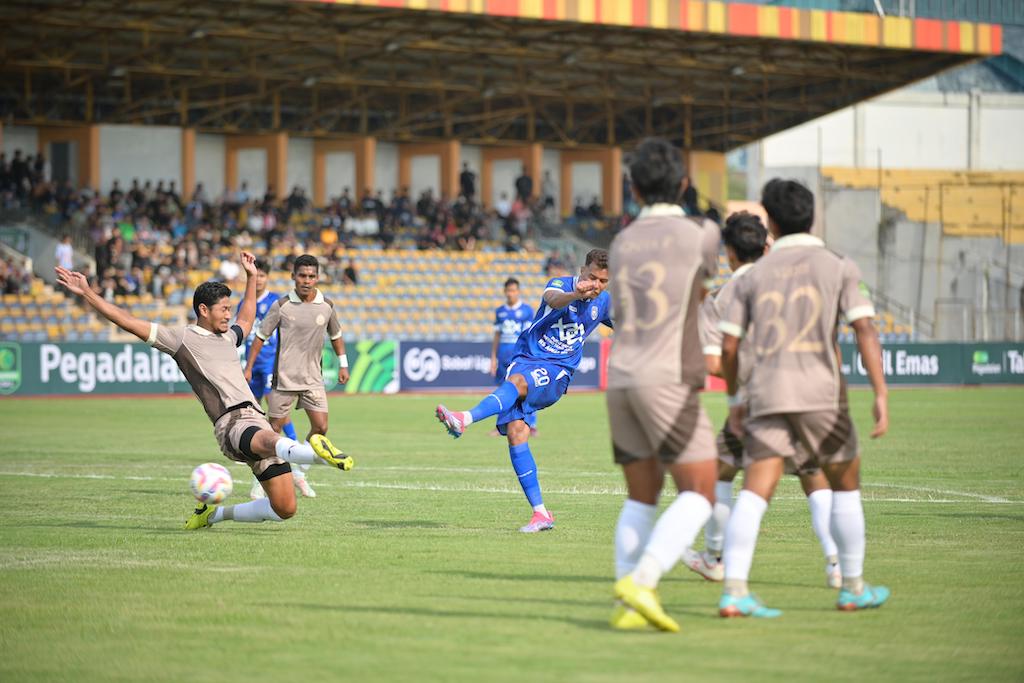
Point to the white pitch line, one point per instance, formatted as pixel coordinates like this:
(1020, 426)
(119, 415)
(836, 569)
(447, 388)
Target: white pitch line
(569, 491)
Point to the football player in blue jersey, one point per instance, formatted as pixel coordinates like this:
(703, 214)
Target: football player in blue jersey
(546, 356)
(510, 320)
(263, 373)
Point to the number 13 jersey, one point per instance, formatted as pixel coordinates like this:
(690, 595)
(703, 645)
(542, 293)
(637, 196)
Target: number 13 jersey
(787, 308)
(659, 267)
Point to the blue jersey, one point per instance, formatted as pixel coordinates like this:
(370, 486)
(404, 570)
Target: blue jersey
(557, 335)
(511, 321)
(265, 362)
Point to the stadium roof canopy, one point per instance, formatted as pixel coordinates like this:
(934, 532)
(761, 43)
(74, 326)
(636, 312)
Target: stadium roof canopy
(709, 75)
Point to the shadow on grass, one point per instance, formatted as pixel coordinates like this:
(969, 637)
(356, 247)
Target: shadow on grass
(958, 515)
(591, 624)
(397, 524)
(557, 578)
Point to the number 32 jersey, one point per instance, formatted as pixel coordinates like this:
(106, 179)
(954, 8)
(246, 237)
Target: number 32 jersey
(659, 267)
(787, 308)
(557, 334)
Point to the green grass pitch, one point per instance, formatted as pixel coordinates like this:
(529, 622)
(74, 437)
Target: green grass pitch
(411, 568)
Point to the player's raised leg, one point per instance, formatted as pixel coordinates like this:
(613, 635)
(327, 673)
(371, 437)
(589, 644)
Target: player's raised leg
(819, 500)
(498, 401)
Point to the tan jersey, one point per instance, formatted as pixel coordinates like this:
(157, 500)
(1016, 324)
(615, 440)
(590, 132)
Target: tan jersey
(209, 362)
(711, 315)
(788, 306)
(300, 339)
(658, 268)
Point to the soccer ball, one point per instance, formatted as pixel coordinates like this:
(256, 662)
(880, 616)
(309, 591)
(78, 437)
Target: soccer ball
(211, 483)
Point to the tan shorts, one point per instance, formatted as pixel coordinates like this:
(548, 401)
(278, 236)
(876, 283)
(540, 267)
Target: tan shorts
(666, 421)
(809, 440)
(279, 403)
(229, 430)
(731, 453)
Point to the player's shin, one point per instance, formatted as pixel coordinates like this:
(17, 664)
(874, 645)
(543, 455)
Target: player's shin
(714, 533)
(631, 534)
(848, 531)
(526, 470)
(675, 531)
(255, 511)
(741, 539)
(503, 398)
(820, 504)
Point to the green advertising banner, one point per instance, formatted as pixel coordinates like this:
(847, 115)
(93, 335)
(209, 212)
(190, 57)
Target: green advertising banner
(74, 368)
(941, 363)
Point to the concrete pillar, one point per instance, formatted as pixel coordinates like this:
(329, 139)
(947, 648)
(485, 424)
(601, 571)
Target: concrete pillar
(188, 161)
(610, 160)
(87, 138)
(276, 147)
(364, 150)
(708, 173)
(974, 130)
(450, 154)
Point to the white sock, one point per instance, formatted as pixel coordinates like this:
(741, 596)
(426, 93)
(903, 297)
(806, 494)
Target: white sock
(848, 530)
(714, 532)
(820, 503)
(299, 472)
(254, 511)
(296, 453)
(741, 538)
(675, 531)
(631, 533)
(542, 510)
(467, 418)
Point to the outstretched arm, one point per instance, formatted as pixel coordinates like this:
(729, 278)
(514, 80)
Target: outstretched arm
(247, 311)
(871, 356)
(585, 289)
(76, 283)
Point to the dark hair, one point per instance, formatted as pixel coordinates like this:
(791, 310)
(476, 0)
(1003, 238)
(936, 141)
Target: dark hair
(746, 235)
(789, 204)
(305, 260)
(657, 171)
(262, 266)
(511, 281)
(209, 293)
(597, 257)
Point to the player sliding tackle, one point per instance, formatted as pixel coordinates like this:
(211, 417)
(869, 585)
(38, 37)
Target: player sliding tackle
(546, 356)
(787, 308)
(207, 356)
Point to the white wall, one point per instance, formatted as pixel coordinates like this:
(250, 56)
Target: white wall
(426, 175)
(252, 169)
(340, 173)
(551, 163)
(300, 166)
(1002, 133)
(210, 165)
(386, 169)
(916, 134)
(586, 182)
(799, 146)
(472, 155)
(24, 138)
(143, 152)
(912, 130)
(503, 179)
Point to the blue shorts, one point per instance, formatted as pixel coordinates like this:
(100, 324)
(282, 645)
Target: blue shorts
(506, 352)
(261, 383)
(545, 384)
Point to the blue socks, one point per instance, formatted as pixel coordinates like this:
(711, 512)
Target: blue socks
(526, 470)
(503, 398)
(289, 431)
